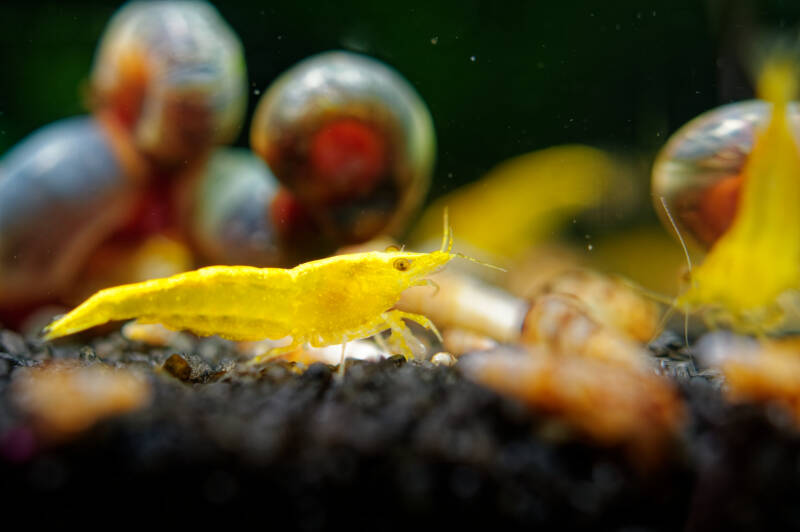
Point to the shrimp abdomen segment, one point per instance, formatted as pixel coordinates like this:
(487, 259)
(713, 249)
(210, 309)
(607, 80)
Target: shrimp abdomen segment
(235, 302)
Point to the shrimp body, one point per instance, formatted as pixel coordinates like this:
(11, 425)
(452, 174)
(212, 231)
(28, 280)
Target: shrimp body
(755, 264)
(231, 301)
(323, 302)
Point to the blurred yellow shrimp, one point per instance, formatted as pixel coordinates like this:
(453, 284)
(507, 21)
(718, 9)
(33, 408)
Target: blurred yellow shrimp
(329, 301)
(758, 258)
(731, 177)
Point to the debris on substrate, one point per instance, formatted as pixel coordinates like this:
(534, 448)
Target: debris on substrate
(392, 445)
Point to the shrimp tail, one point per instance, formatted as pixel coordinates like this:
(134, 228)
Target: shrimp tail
(107, 305)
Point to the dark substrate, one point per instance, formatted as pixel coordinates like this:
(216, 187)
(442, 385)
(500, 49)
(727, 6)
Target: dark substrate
(394, 445)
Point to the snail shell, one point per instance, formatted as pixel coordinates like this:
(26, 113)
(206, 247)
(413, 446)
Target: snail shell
(229, 221)
(698, 173)
(351, 139)
(63, 189)
(173, 73)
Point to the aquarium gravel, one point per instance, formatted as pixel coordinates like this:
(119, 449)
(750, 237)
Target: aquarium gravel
(391, 445)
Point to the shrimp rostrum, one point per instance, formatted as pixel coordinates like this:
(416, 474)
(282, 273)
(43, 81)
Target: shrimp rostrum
(323, 302)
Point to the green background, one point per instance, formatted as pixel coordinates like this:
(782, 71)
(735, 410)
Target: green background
(621, 75)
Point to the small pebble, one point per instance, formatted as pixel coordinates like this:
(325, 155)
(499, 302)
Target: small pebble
(397, 360)
(13, 343)
(443, 359)
(87, 354)
(178, 367)
(15, 361)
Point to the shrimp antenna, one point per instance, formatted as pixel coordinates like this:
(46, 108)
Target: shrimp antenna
(659, 298)
(688, 262)
(677, 232)
(476, 261)
(447, 233)
(646, 292)
(662, 323)
(447, 244)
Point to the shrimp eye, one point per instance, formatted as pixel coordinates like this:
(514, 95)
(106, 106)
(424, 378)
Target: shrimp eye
(392, 248)
(401, 264)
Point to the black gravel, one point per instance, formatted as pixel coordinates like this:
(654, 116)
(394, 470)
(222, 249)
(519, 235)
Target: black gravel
(390, 446)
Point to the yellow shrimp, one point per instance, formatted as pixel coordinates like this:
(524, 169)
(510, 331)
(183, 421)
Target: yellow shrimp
(758, 258)
(323, 302)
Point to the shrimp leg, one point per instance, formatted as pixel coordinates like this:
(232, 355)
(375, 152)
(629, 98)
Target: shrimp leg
(416, 318)
(275, 352)
(401, 335)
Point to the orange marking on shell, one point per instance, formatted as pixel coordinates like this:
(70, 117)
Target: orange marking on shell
(718, 207)
(349, 156)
